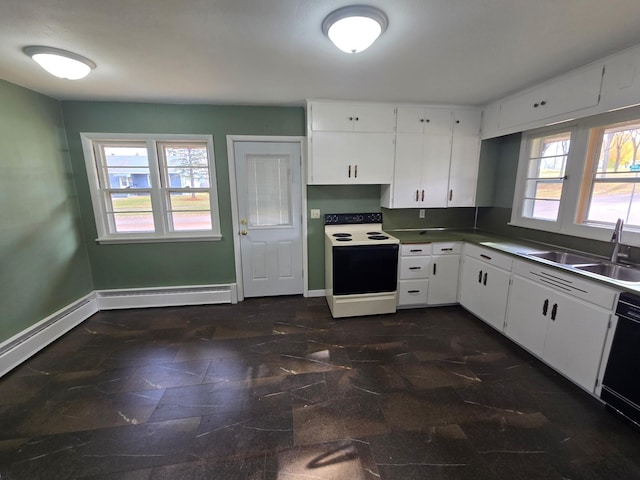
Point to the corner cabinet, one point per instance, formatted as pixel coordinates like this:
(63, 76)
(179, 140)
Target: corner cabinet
(350, 143)
(561, 319)
(436, 158)
(484, 284)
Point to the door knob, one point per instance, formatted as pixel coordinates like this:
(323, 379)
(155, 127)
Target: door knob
(243, 231)
(243, 221)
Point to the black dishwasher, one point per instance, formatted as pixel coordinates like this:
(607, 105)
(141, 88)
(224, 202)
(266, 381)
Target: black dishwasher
(621, 382)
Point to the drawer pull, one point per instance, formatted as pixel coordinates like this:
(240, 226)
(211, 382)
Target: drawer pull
(413, 292)
(446, 249)
(415, 268)
(415, 250)
(487, 257)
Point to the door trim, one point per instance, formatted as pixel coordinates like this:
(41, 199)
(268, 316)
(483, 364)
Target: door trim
(235, 220)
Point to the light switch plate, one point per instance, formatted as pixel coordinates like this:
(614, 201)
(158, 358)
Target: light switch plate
(315, 213)
(421, 213)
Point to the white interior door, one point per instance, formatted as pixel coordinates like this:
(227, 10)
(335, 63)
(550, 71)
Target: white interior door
(269, 209)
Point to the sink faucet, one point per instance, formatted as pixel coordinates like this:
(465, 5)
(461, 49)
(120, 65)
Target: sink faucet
(616, 254)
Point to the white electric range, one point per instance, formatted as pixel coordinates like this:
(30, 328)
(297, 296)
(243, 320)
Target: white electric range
(361, 265)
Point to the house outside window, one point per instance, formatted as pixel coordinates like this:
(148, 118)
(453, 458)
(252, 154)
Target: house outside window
(152, 187)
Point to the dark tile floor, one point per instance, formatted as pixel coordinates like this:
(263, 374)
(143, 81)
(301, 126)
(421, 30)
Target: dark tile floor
(277, 389)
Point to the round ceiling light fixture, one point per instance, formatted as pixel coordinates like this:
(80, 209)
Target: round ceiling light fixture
(354, 28)
(61, 63)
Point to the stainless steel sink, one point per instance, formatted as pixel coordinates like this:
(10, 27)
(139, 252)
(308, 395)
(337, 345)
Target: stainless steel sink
(616, 272)
(563, 258)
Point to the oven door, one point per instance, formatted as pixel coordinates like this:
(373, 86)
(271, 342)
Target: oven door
(365, 269)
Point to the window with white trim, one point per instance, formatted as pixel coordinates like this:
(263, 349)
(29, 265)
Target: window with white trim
(152, 187)
(579, 178)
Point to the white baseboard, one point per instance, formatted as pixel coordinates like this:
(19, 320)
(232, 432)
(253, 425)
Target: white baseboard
(30, 341)
(20, 347)
(166, 296)
(317, 293)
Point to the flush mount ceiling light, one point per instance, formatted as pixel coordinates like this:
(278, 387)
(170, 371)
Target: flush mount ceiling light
(354, 28)
(61, 63)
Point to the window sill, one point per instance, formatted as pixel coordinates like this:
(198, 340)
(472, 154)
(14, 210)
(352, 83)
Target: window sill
(120, 240)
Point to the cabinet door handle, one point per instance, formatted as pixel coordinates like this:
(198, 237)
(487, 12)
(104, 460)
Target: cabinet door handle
(480, 277)
(417, 193)
(434, 268)
(349, 171)
(356, 169)
(545, 307)
(484, 282)
(414, 268)
(554, 311)
(450, 195)
(422, 196)
(486, 257)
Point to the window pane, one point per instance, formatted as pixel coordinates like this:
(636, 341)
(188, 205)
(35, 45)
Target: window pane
(541, 209)
(188, 177)
(186, 165)
(610, 201)
(615, 177)
(189, 200)
(190, 221)
(130, 212)
(126, 166)
(545, 174)
(268, 196)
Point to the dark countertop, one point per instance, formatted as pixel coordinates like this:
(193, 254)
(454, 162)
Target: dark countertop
(516, 247)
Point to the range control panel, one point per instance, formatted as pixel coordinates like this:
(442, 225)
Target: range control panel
(352, 218)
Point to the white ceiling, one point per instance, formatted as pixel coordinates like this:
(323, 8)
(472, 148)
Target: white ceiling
(272, 52)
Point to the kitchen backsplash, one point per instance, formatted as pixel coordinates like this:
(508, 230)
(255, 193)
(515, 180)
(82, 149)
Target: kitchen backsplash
(434, 218)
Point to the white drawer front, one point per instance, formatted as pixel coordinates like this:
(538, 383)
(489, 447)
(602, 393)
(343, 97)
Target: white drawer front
(489, 256)
(415, 249)
(414, 267)
(412, 292)
(446, 248)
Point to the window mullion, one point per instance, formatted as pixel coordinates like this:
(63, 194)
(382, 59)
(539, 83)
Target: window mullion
(157, 196)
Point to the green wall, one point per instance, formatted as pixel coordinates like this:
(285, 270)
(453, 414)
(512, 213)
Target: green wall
(176, 263)
(43, 258)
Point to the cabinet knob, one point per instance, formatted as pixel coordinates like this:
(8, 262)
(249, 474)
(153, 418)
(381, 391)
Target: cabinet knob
(422, 120)
(351, 119)
(535, 105)
(543, 103)
(457, 121)
(357, 118)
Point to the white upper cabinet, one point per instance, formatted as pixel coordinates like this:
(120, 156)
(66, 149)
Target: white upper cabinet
(350, 143)
(436, 161)
(421, 120)
(352, 117)
(621, 81)
(465, 156)
(572, 92)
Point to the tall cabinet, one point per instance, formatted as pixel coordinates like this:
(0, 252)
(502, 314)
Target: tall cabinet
(436, 158)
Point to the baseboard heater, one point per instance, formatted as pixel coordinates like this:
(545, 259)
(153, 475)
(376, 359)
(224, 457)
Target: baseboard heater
(30, 341)
(20, 347)
(165, 296)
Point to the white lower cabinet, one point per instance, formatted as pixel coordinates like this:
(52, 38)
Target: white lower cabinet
(445, 269)
(566, 331)
(413, 274)
(428, 274)
(484, 286)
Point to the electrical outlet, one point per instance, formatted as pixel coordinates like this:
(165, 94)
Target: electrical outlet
(315, 213)
(421, 213)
